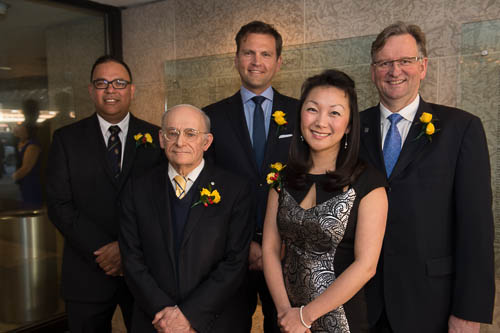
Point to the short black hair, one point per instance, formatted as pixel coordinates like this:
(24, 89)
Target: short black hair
(259, 27)
(347, 167)
(108, 58)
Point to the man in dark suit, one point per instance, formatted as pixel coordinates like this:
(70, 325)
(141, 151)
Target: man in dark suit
(247, 138)
(89, 163)
(185, 235)
(436, 270)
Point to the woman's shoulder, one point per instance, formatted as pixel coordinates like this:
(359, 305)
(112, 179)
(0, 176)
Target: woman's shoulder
(369, 179)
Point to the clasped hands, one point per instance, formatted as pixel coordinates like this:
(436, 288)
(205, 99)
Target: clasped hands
(172, 320)
(109, 259)
(289, 321)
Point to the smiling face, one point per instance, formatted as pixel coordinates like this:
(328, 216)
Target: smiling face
(257, 61)
(325, 117)
(398, 86)
(110, 103)
(185, 154)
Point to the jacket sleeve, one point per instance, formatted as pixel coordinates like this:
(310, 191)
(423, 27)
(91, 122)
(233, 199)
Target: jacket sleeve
(79, 231)
(474, 290)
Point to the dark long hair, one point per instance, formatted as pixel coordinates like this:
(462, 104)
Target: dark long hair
(348, 167)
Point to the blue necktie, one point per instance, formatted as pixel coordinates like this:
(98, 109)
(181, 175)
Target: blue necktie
(259, 130)
(392, 143)
(115, 150)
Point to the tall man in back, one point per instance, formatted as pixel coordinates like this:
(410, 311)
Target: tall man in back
(89, 163)
(436, 270)
(249, 135)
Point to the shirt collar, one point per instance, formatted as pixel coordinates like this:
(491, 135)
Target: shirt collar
(408, 112)
(246, 94)
(123, 124)
(192, 176)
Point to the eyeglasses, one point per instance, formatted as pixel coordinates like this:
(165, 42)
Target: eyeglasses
(189, 134)
(116, 83)
(403, 62)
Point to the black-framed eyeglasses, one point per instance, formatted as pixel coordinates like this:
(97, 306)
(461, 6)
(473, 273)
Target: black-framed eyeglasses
(116, 83)
(403, 62)
(189, 134)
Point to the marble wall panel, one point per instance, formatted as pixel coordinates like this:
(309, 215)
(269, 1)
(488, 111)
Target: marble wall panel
(153, 26)
(447, 80)
(147, 66)
(149, 102)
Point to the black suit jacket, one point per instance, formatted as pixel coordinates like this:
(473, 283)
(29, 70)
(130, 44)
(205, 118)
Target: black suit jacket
(232, 148)
(437, 257)
(83, 200)
(207, 282)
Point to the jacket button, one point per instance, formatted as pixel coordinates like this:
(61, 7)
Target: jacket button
(260, 185)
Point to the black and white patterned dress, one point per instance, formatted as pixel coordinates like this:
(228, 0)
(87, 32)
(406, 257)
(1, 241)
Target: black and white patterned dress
(319, 246)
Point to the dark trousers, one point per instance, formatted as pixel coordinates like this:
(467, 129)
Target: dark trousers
(382, 325)
(96, 317)
(257, 286)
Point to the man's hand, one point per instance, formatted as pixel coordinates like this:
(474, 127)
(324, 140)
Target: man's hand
(109, 259)
(255, 257)
(457, 325)
(171, 320)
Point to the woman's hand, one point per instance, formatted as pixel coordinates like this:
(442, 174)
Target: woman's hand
(289, 321)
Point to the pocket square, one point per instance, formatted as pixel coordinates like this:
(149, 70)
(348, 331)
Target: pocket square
(282, 136)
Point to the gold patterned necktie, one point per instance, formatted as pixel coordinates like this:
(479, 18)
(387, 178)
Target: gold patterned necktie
(180, 186)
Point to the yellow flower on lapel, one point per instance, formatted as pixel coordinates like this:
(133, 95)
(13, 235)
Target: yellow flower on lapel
(428, 127)
(208, 196)
(279, 119)
(278, 166)
(274, 178)
(426, 117)
(143, 140)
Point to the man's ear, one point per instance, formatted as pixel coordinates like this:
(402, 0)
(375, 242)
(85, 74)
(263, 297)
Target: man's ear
(209, 138)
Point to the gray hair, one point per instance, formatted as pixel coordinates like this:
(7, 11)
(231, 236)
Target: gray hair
(396, 29)
(206, 119)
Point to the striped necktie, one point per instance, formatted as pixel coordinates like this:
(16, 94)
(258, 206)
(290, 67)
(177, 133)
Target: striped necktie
(180, 186)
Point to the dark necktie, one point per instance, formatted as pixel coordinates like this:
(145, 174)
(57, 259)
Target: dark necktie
(115, 150)
(259, 130)
(392, 143)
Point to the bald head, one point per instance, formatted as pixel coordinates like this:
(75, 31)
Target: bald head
(181, 107)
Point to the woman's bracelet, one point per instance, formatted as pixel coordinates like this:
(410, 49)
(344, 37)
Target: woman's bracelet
(302, 318)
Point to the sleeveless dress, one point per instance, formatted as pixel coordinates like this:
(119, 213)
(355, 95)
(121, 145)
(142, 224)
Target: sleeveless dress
(30, 185)
(319, 246)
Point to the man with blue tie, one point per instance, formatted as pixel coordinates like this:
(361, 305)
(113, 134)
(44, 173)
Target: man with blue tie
(247, 138)
(436, 269)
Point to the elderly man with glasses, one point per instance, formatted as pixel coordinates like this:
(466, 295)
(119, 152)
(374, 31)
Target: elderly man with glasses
(89, 164)
(185, 235)
(436, 269)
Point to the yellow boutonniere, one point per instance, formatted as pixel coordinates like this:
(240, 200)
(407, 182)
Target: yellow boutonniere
(279, 119)
(274, 178)
(428, 127)
(208, 196)
(143, 140)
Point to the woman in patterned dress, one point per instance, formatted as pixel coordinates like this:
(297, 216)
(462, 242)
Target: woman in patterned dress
(328, 215)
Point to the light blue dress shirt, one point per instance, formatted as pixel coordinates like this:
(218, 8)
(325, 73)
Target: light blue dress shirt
(249, 107)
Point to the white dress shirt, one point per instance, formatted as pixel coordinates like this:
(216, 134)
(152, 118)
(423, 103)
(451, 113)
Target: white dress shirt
(408, 113)
(191, 177)
(122, 134)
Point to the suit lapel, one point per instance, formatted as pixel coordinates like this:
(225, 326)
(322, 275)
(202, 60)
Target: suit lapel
(272, 137)
(370, 132)
(129, 153)
(98, 146)
(196, 213)
(238, 122)
(162, 202)
(412, 146)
